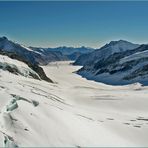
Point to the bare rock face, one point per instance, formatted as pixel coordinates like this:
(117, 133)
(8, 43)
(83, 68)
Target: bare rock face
(39, 70)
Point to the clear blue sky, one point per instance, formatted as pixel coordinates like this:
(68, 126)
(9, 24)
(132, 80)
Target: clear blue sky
(92, 24)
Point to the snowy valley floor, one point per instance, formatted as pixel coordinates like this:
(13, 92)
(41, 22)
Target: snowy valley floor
(71, 112)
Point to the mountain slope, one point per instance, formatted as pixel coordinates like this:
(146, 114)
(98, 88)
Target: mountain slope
(23, 54)
(74, 56)
(11, 47)
(105, 51)
(17, 67)
(124, 67)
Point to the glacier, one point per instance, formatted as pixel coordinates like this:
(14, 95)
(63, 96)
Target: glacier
(71, 112)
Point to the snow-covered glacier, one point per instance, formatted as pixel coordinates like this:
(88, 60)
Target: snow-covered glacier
(72, 111)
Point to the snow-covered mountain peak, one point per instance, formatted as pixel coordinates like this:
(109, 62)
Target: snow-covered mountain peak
(120, 45)
(10, 46)
(112, 48)
(119, 41)
(105, 51)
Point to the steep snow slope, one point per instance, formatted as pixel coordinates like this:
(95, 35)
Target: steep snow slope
(71, 112)
(135, 56)
(16, 67)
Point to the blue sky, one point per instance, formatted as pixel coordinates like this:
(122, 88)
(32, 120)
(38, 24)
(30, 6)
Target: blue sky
(51, 24)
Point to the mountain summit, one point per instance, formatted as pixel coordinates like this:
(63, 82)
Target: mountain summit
(105, 51)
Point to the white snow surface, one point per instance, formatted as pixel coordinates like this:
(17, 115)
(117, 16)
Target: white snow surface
(6, 59)
(23, 68)
(73, 111)
(135, 56)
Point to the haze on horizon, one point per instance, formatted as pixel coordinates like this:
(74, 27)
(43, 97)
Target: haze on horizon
(56, 23)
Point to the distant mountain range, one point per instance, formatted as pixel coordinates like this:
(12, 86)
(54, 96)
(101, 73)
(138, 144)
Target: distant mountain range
(69, 50)
(64, 53)
(119, 62)
(34, 57)
(39, 55)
